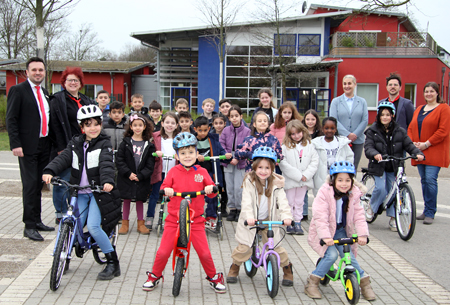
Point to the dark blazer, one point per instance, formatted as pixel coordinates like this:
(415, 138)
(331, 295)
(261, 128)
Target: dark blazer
(404, 113)
(23, 120)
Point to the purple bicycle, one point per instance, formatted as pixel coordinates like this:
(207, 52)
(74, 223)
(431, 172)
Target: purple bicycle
(266, 256)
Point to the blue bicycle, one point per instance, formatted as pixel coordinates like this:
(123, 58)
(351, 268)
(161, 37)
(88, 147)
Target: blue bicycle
(71, 236)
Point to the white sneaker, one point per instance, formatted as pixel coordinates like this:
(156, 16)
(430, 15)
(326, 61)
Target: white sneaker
(368, 210)
(392, 225)
(151, 282)
(217, 283)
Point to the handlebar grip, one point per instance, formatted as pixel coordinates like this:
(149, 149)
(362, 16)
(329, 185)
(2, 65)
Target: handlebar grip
(322, 243)
(162, 192)
(292, 223)
(55, 179)
(245, 223)
(154, 154)
(215, 189)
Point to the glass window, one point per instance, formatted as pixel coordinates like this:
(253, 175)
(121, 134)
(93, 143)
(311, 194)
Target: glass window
(237, 82)
(260, 50)
(237, 61)
(237, 71)
(285, 45)
(410, 93)
(237, 50)
(259, 72)
(322, 82)
(240, 102)
(260, 82)
(309, 44)
(308, 82)
(370, 93)
(260, 61)
(89, 91)
(56, 88)
(236, 92)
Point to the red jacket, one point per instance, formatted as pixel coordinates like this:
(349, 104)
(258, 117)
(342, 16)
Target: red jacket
(182, 180)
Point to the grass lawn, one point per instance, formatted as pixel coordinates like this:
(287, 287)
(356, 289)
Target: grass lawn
(4, 140)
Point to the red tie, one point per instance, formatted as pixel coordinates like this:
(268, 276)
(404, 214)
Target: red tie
(43, 114)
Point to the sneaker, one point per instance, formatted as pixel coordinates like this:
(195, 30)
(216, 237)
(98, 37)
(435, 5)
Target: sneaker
(57, 220)
(217, 283)
(392, 225)
(210, 223)
(238, 213)
(151, 282)
(149, 223)
(298, 229)
(232, 215)
(368, 210)
(290, 230)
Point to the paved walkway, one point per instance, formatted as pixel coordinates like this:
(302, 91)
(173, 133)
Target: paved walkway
(394, 280)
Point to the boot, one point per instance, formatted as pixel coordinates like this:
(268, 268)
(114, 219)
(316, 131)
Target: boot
(233, 274)
(124, 227)
(312, 287)
(366, 289)
(112, 268)
(141, 228)
(232, 215)
(238, 213)
(288, 276)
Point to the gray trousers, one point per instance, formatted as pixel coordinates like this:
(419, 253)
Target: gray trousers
(234, 178)
(357, 151)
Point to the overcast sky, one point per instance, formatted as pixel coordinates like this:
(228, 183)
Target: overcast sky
(115, 20)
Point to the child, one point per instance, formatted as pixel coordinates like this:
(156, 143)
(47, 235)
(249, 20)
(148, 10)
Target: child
(224, 108)
(185, 120)
(386, 137)
(208, 109)
(181, 105)
(137, 105)
(163, 141)
(208, 145)
(337, 213)
(155, 109)
(103, 103)
(263, 198)
(186, 177)
(235, 171)
(266, 105)
(90, 158)
(298, 166)
(115, 124)
(135, 165)
(219, 122)
(286, 113)
(330, 148)
(259, 136)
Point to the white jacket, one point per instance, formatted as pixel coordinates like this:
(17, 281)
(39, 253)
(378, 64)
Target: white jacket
(293, 169)
(344, 153)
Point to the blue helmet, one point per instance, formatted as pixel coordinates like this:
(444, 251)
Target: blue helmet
(385, 104)
(342, 167)
(184, 139)
(265, 152)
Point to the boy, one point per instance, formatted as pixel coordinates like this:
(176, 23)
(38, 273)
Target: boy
(155, 115)
(181, 105)
(137, 105)
(208, 109)
(103, 103)
(185, 177)
(185, 122)
(209, 145)
(115, 124)
(224, 108)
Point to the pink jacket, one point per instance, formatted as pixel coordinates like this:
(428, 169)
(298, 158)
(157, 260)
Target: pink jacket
(278, 132)
(157, 170)
(323, 223)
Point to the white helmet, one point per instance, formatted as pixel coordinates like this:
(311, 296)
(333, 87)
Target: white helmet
(89, 111)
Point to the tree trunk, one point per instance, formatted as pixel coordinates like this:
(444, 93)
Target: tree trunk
(39, 29)
(220, 81)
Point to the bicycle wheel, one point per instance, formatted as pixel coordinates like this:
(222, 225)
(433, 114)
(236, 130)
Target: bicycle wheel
(184, 222)
(405, 212)
(60, 256)
(99, 257)
(369, 182)
(272, 278)
(249, 268)
(159, 228)
(178, 276)
(352, 290)
(325, 280)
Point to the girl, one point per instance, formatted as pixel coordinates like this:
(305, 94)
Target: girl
(385, 137)
(330, 148)
(286, 113)
(89, 157)
(163, 141)
(135, 165)
(337, 213)
(219, 121)
(263, 198)
(298, 166)
(234, 172)
(259, 136)
(266, 105)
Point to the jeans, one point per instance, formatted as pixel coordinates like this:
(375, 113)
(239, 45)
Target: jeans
(383, 185)
(61, 195)
(428, 178)
(332, 254)
(154, 197)
(88, 206)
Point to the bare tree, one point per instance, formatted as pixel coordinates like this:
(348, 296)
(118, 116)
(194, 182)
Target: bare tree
(370, 5)
(81, 44)
(134, 52)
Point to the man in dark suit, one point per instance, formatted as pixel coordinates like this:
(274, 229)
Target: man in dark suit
(27, 118)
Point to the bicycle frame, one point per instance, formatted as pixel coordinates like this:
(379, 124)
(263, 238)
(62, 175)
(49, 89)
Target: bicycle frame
(262, 255)
(394, 191)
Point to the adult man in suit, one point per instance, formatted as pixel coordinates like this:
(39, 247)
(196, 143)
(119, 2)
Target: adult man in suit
(404, 108)
(27, 118)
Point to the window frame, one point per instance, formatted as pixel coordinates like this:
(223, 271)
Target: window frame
(319, 45)
(285, 45)
(377, 97)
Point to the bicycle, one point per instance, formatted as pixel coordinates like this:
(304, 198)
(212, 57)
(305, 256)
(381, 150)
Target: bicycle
(346, 274)
(265, 256)
(400, 194)
(70, 235)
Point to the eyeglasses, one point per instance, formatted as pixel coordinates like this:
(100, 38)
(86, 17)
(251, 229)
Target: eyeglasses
(76, 81)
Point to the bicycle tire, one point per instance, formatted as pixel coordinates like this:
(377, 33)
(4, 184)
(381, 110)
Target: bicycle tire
(405, 218)
(99, 257)
(352, 290)
(184, 222)
(272, 276)
(158, 230)
(221, 232)
(60, 256)
(178, 277)
(160, 220)
(249, 268)
(369, 182)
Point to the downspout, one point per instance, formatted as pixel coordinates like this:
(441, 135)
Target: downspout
(112, 84)
(126, 93)
(398, 27)
(336, 72)
(442, 82)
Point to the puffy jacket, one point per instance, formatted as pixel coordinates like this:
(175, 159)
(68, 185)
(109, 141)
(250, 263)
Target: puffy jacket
(230, 135)
(157, 171)
(278, 132)
(115, 131)
(139, 190)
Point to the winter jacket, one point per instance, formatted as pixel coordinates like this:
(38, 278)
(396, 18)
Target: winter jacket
(271, 120)
(105, 113)
(293, 169)
(278, 209)
(344, 153)
(216, 150)
(323, 223)
(231, 135)
(99, 169)
(404, 111)
(115, 131)
(143, 111)
(139, 190)
(376, 144)
(157, 170)
(278, 132)
(245, 150)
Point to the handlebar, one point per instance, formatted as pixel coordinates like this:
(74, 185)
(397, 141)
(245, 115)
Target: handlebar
(221, 157)
(387, 158)
(344, 241)
(190, 194)
(164, 156)
(94, 188)
(263, 222)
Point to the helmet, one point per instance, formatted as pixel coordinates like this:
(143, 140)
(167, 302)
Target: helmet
(184, 139)
(385, 104)
(342, 167)
(89, 111)
(265, 152)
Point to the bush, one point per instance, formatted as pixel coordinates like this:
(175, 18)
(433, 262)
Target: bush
(2, 112)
